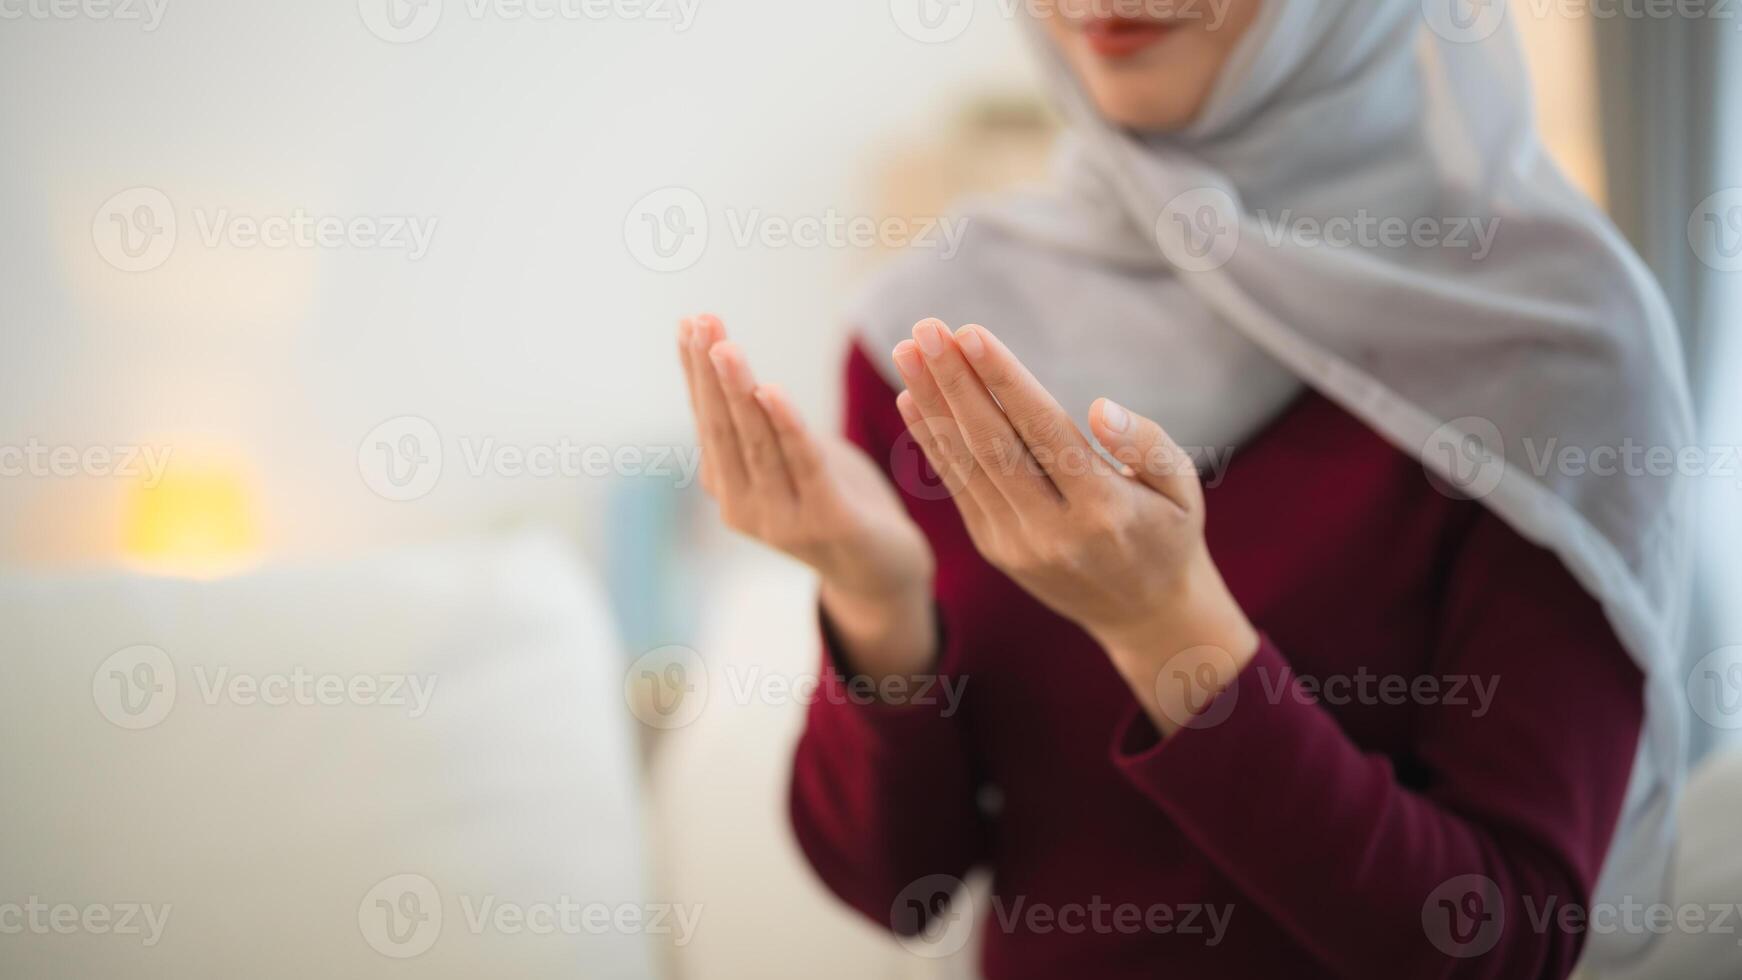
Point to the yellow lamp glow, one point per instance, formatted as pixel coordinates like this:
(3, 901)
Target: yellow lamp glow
(197, 521)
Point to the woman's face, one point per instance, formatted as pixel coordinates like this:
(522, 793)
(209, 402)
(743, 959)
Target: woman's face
(1149, 64)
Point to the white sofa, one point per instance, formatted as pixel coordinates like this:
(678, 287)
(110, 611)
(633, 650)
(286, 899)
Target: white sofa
(321, 835)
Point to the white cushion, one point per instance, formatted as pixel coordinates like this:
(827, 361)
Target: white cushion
(273, 835)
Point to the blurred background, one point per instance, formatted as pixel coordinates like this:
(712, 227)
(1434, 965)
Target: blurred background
(338, 343)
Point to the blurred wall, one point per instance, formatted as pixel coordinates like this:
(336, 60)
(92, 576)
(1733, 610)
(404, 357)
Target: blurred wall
(525, 143)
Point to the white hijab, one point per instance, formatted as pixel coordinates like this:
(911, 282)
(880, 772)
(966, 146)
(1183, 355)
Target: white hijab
(1153, 272)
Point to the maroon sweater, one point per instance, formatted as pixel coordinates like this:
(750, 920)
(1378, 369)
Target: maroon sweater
(1324, 825)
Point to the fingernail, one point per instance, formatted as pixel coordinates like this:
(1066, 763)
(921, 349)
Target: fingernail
(1114, 417)
(969, 340)
(930, 335)
(685, 328)
(906, 360)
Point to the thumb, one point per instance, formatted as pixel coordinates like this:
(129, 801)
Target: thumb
(1143, 446)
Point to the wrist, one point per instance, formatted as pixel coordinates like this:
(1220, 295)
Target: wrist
(883, 632)
(1200, 633)
(1200, 611)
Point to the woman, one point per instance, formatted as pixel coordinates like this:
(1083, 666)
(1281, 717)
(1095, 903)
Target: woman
(1378, 689)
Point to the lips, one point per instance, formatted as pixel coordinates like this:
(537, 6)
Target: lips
(1122, 37)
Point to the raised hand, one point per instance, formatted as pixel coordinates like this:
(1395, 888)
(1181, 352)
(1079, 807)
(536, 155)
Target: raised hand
(1118, 549)
(819, 499)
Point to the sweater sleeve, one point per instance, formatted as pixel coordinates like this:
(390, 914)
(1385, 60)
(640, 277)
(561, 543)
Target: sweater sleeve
(1455, 862)
(882, 798)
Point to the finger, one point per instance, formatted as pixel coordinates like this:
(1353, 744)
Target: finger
(685, 331)
(940, 438)
(988, 432)
(719, 434)
(756, 439)
(803, 456)
(1045, 427)
(955, 467)
(1154, 458)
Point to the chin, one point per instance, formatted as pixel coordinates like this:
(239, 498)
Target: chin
(1147, 108)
